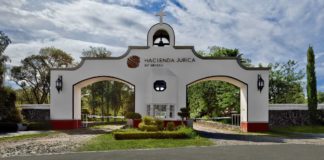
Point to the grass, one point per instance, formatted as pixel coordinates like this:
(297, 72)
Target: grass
(300, 129)
(107, 142)
(25, 136)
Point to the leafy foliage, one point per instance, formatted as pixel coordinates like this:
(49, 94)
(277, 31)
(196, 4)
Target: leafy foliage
(311, 85)
(215, 98)
(4, 42)
(153, 135)
(33, 75)
(105, 97)
(150, 124)
(285, 83)
(133, 115)
(9, 112)
(184, 113)
(170, 126)
(99, 52)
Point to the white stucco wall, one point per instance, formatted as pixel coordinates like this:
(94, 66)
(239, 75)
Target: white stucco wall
(254, 105)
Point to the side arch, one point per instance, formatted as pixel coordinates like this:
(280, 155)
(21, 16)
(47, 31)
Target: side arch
(234, 81)
(76, 91)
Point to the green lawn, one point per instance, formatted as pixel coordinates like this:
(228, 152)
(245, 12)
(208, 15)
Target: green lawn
(25, 136)
(107, 142)
(300, 129)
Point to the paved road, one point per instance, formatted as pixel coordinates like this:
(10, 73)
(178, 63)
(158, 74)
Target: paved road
(244, 152)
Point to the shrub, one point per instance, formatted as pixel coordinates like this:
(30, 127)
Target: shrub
(8, 127)
(144, 127)
(184, 113)
(44, 125)
(8, 110)
(148, 120)
(133, 115)
(85, 111)
(159, 124)
(170, 126)
(146, 135)
(188, 131)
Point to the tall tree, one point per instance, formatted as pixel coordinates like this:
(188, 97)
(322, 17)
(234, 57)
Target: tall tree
(8, 110)
(33, 76)
(285, 83)
(4, 42)
(311, 85)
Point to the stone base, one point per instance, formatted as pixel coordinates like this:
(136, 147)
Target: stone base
(254, 126)
(65, 124)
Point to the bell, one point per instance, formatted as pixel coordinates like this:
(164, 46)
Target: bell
(161, 44)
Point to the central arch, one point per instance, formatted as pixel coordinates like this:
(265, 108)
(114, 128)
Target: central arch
(76, 103)
(234, 81)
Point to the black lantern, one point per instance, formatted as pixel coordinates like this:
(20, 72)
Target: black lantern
(159, 85)
(260, 83)
(59, 84)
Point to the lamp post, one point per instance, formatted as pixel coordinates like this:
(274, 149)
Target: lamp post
(59, 84)
(260, 83)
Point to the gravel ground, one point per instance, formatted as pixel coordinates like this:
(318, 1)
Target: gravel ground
(60, 142)
(225, 138)
(70, 140)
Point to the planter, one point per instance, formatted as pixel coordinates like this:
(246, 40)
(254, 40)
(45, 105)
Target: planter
(136, 122)
(130, 122)
(133, 122)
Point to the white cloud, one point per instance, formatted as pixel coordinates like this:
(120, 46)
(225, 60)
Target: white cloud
(20, 50)
(270, 31)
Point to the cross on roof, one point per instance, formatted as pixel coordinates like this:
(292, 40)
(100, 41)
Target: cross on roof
(161, 14)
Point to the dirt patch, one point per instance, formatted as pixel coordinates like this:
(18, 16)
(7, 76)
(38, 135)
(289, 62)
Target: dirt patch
(60, 142)
(226, 137)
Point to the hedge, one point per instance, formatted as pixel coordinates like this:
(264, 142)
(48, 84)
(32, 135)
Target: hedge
(153, 135)
(8, 127)
(44, 125)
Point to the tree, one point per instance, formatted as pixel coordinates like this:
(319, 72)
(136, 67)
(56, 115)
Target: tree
(8, 110)
(184, 113)
(106, 96)
(4, 42)
(99, 52)
(285, 83)
(311, 86)
(320, 97)
(214, 98)
(216, 51)
(33, 76)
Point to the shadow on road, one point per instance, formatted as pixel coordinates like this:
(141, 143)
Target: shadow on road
(239, 137)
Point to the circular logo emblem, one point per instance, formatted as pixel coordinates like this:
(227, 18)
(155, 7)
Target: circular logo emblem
(133, 61)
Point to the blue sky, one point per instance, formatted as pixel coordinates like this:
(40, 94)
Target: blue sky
(264, 31)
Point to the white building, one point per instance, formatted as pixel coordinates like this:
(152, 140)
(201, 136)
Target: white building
(160, 73)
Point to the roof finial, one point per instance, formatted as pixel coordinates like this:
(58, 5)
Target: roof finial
(161, 14)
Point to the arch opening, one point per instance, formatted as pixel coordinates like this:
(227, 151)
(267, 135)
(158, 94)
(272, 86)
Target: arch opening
(103, 96)
(220, 98)
(161, 38)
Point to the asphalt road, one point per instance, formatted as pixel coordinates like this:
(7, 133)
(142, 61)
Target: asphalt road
(244, 152)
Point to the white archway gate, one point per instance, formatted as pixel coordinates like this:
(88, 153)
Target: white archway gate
(160, 72)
